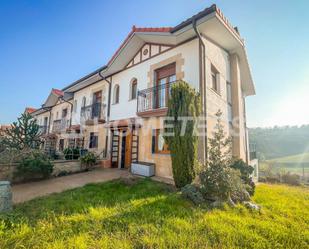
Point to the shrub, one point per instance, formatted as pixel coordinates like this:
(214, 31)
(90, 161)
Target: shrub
(291, 179)
(71, 153)
(245, 174)
(216, 181)
(219, 181)
(239, 190)
(272, 179)
(184, 102)
(193, 193)
(34, 165)
(88, 160)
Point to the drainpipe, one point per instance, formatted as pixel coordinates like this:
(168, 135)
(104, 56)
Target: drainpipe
(108, 108)
(202, 85)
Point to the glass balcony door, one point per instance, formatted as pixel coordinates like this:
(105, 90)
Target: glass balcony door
(164, 77)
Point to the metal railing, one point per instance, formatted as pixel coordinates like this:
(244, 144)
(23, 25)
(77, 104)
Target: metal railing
(252, 151)
(43, 129)
(154, 98)
(60, 125)
(94, 111)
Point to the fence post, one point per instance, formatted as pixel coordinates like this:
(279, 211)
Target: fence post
(5, 196)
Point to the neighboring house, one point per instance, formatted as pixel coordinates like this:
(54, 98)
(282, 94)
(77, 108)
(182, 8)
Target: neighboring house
(116, 110)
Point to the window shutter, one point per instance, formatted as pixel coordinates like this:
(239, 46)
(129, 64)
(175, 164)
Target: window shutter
(153, 141)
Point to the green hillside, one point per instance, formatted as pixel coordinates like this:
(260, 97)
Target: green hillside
(299, 158)
(280, 142)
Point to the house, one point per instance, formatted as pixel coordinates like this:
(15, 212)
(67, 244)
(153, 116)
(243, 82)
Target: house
(117, 111)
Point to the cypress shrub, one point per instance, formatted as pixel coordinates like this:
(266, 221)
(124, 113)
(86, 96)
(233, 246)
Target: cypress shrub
(184, 102)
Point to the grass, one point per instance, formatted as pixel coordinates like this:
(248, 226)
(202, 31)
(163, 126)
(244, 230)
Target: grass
(151, 215)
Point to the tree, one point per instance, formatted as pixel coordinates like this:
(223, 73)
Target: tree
(24, 134)
(216, 179)
(183, 104)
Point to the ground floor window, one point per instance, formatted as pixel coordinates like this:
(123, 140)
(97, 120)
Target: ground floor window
(93, 143)
(71, 143)
(158, 143)
(61, 144)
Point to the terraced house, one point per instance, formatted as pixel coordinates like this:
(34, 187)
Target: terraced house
(115, 111)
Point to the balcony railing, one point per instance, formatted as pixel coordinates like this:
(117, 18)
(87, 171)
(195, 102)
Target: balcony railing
(252, 151)
(93, 112)
(153, 98)
(43, 129)
(60, 125)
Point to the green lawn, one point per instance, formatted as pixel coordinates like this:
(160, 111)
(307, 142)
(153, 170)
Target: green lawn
(152, 215)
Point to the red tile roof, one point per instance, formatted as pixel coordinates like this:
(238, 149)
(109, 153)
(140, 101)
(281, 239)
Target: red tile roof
(30, 110)
(136, 30)
(57, 92)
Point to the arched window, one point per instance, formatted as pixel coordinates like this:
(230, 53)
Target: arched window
(116, 94)
(133, 89)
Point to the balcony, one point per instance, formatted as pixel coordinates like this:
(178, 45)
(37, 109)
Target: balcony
(60, 125)
(252, 151)
(153, 101)
(93, 114)
(43, 129)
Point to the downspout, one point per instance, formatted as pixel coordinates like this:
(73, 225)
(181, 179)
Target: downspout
(109, 82)
(202, 85)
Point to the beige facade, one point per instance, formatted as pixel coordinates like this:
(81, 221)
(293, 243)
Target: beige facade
(152, 59)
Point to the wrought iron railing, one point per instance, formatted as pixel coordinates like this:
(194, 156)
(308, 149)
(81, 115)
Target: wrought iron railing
(43, 129)
(252, 151)
(154, 98)
(94, 111)
(60, 125)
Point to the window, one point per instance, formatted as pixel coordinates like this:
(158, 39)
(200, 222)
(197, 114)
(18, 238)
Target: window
(164, 76)
(215, 76)
(116, 95)
(133, 92)
(71, 143)
(158, 143)
(229, 101)
(97, 97)
(64, 112)
(84, 102)
(75, 106)
(61, 144)
(93, 143)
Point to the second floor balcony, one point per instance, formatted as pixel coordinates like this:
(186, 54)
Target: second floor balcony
(93, 114)
(43, 129)
(60, 125)
(153, 101)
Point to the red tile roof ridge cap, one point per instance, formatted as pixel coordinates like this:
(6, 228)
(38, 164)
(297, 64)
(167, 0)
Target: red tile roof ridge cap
(57, 92)
(141, 29)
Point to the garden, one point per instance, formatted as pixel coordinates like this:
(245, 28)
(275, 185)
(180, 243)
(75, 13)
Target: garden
(147, 214)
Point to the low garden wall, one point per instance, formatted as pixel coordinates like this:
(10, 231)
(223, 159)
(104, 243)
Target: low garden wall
(61, 167)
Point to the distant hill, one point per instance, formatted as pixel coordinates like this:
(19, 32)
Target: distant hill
(280, 141)
(297, 159)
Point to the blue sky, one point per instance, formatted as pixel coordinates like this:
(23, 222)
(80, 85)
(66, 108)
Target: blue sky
(46, 44)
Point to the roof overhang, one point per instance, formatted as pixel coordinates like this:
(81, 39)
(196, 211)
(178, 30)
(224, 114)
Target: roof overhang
(210, 23)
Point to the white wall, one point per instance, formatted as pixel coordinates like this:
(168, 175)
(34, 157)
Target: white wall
(127, 108)
(88, 93)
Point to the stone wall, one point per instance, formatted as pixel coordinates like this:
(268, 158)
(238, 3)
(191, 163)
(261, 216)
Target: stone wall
(61, 167)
